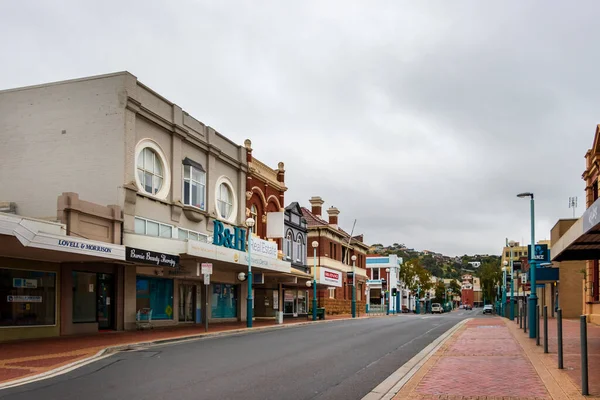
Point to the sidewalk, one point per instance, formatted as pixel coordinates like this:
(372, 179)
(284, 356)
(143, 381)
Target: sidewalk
(571, 352)
(25, 358)
(482, 360)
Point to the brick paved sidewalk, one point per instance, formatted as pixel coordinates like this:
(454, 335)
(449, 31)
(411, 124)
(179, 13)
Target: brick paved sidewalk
(482, 360)
(31, 357)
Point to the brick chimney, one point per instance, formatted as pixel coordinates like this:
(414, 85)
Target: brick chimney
(333, 216)
(317, 205)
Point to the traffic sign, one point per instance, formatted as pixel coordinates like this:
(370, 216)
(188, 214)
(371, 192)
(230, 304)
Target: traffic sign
(207, 268)
(207, 279)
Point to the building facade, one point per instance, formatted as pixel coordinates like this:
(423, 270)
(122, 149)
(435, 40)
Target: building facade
(177, 189)
(581, 242)
(385, 291)
(333, 260)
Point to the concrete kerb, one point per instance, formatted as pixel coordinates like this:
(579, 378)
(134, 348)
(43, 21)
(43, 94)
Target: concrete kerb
(111, 350)
(387, 389)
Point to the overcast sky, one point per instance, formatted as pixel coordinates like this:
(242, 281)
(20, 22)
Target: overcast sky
(421, 119)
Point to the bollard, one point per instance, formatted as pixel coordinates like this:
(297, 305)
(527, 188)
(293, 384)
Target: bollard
(584, 357)
(545, 329)
(525, 317)
(537, 325)
(559, 338)
(521, 317)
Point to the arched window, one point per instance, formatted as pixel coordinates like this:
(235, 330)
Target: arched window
(288, 245)
(299, 249)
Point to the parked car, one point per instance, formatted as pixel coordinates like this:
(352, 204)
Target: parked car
(436, 308)
(488, 309)
(468, 307)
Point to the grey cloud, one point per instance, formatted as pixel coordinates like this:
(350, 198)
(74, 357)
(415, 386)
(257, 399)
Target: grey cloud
(420, 119)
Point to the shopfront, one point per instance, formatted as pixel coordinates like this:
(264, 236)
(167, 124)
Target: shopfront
(295, 302)
(52, 284)
(28, 298)
(227, 293)
(154, 288)
(224, 301)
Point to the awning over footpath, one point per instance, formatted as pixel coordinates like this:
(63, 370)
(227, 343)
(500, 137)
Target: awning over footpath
(582, 240)
(17, 232)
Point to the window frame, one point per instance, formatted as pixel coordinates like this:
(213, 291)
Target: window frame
(223, 180)
(188, 231)
(188, 202)
(299, 248)
(146, 220)
(373, 274)
(166, 186)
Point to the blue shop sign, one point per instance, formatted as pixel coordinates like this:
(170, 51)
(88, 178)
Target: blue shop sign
(540, 253)
(232, 240)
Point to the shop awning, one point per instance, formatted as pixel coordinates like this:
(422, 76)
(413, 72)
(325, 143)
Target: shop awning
(17, 232)
(582, 240)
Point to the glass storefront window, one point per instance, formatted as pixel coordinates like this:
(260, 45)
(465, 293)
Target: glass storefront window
(302, 295)
(223, 301)
(157, 294)
(289, 300)
(84, 296)
(27, 297)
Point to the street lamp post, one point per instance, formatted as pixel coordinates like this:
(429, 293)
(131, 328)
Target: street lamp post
(315, 244)
(353, 286)
(512, 282)
(532, 266)
(250, 300)
(504, 288)
(388, 297)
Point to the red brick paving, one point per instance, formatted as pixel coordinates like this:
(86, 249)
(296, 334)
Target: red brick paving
(482, 376)
(481, 361)
(42, 362)
(13, 373)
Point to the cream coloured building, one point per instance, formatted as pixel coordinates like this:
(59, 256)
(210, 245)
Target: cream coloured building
(169, 179)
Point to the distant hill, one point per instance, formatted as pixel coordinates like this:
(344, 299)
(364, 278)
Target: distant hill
(438, 264)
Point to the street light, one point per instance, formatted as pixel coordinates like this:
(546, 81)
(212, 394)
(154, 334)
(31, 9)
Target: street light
(532, 265)
(315, 244)
(353, 286)
(388, 292)
(249, 224)
(512, 244)
(504, 288)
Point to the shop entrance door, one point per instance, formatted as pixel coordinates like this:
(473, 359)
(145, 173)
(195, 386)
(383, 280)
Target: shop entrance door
(187, 303)
(106, 302)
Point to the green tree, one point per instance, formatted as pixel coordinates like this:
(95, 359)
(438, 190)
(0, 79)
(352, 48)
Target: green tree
(455, 288)
(440, 289)
(490, 274)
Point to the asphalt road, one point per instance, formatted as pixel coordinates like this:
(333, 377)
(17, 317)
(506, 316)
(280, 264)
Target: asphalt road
(334, 360)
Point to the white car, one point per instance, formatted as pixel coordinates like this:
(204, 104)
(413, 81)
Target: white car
(488, 309)
(436, 308)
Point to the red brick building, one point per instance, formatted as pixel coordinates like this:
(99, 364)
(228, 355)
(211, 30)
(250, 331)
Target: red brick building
(334, 260)
(265, 190)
